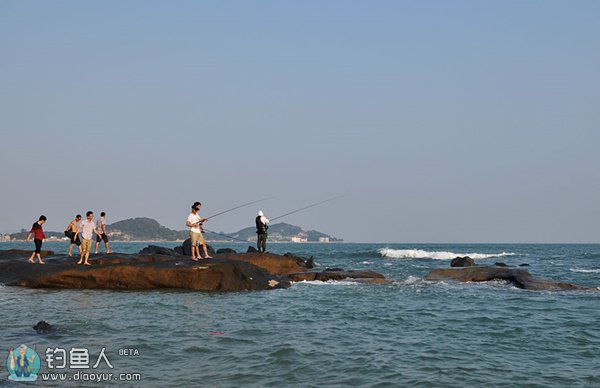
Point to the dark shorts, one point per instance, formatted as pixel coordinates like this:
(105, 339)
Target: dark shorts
(74, 240)
(104, 238)
(38, 245)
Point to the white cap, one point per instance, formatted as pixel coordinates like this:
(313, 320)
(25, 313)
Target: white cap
(260, 213)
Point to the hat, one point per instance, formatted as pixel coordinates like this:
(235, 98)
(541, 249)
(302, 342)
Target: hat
(260, 213)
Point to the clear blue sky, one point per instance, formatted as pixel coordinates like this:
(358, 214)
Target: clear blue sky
(443, 121)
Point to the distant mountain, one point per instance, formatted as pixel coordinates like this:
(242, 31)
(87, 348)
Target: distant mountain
(148, 229)
(143, 229)
(283, 232)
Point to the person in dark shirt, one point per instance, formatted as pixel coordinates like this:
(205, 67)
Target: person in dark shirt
(261, 230)
(38, 239)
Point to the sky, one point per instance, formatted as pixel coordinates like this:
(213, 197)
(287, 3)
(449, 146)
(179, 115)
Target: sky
(437, 121)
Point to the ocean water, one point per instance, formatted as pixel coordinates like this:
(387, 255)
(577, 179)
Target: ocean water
(405, 333)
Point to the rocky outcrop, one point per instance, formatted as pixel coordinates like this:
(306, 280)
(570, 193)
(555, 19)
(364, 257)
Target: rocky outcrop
(186, 249)
(519, 277)
(136, 272)
(157, 267)
(337, 275)
(226, 250)
(462, 262)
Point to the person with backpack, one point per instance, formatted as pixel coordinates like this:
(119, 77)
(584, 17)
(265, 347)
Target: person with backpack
(262, 224)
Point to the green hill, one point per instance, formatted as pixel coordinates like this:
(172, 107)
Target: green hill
(143, 229)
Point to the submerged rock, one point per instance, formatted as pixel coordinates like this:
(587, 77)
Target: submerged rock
(519, 277)
(462, 262)
(43, 327)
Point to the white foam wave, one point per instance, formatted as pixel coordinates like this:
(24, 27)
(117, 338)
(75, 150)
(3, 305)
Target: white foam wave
(328, 283)
(439, 255)
(583, 270)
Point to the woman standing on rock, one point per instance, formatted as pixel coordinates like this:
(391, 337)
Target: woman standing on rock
(38, 239)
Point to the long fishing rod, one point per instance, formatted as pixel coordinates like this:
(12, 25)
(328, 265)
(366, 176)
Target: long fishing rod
(306, 207)
(237, 207)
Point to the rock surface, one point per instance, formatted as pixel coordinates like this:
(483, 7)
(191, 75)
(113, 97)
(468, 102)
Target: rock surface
(519, 277)
(462, 262)
(157, 268)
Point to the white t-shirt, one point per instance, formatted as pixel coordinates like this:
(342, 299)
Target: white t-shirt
(87, 229)
(101, 221)
(192, 219)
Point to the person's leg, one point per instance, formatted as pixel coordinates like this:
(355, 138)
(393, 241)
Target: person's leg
(87, 248)
(105, 237)
(206, 256)
(70, 249)
(194, 245)
(258, 241)
(97, 245)
(82, 249)
(38, 250)
(31, 257)
(264, 243)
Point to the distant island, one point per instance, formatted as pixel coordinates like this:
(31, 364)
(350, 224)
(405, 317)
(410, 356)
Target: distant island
(148, 229)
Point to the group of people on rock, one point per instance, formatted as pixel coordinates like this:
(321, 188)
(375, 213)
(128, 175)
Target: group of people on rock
(81, 234)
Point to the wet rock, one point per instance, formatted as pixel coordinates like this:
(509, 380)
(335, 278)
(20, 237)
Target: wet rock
(156, 250)
(462, 262)
(226, 250)
(519, 277)
(310, 263)
(43, 327)
(137, 272)
(498, 264)
(186, 248)
(524, 265)
(333, 269)
(272, 263)
(339, 275)
(251, 249)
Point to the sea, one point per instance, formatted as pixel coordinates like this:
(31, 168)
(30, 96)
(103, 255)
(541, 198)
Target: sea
(408, 332)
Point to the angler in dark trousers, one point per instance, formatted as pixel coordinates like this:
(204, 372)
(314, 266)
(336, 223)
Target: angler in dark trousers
(262, 224)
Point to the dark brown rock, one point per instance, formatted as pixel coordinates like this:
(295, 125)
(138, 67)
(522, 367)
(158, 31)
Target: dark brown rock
(272, 263)
(186, 248)
(137, 272)
(226, 250)
(519, 277)
(462, 262)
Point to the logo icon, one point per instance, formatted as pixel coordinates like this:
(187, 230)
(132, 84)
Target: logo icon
(23, 364)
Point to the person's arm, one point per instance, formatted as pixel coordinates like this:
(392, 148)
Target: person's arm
(29, 236)
(13, 362)
(76, 233)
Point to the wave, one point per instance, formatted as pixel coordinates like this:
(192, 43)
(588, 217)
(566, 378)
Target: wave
(582, 270)
(441, 255)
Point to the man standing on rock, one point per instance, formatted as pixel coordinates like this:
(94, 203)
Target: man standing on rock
(102, 230)
(38, 239)
(70, 233)
(261, 230)
(87, 229)
(194, 222)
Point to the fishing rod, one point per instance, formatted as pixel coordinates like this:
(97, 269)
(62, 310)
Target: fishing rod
(306, 207)
(224, 235)
(237, 207)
